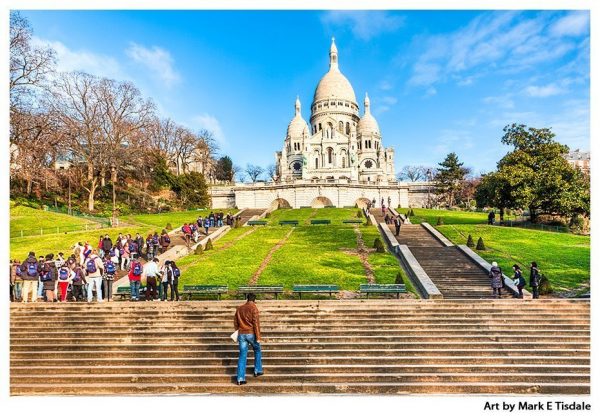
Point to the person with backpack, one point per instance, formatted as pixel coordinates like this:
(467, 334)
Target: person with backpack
(107, 244)
(518, 280)
(211, 218)
(30, 270)
(133, 249)
(187, 234)
(534, 279)
(48, 278)
(206, 225)
(149, 248)
(195, 233)
(139, 240)
(94, 269)
(151, 272)
(109, 276)
(220, 219)
(175, 274)
(496, 280)
(65, 278)
(40, 292)
(155, 241)
(78, 282)
(397, 224)
(165, 241)
(135, 278)
(16, 280)
(167, 280)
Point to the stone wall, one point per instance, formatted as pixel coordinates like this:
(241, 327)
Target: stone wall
(297, 195)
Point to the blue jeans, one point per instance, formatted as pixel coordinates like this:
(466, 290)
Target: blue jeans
(243, 341)
(97, 282)
(135, 289)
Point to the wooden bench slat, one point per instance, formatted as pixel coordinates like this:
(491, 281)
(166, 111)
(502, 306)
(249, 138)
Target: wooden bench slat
(353, 221)
(381, 288)
(324, 221)
(257, 222)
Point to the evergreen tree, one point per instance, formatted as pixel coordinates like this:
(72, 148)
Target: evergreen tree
(224, 170)
(470, 242)
(480, 245)
(449, 178)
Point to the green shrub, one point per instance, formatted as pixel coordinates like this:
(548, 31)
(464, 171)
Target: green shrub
(470, 242)
(440, 221)
(545, 286)
(480, 245)
(237, 223)
(209, 245)
(169, 227)
(399, 279)
(199, 250)
(378, 245)
(412, 212)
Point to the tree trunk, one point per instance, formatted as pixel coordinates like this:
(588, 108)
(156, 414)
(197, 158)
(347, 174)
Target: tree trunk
(532, 214)
(92, 193)
(29, 184)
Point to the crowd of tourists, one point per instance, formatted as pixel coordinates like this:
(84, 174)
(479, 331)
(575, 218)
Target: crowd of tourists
(497, 279)
(191, 231)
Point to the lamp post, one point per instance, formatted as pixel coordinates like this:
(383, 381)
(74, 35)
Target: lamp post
(113, 178)
(428, 188)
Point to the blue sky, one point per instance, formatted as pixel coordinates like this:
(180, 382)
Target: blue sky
(439, 81)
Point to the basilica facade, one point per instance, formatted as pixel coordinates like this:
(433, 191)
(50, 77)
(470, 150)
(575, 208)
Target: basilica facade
(338, 145)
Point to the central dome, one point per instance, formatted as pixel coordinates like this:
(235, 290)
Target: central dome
(334, 84)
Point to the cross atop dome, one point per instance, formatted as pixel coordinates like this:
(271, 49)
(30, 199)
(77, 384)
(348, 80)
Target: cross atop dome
(297, 105)
(367, 104)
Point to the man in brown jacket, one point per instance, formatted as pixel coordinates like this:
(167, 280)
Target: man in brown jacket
(247, 323)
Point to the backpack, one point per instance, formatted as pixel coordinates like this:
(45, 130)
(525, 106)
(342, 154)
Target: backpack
(155, 240)
(63, 273)
(176, 272)
(110, 267)
(167, 239)
(77, 276)
(18, 271)
(121, 251)
(133, 247)
(90, 265)
(32, 269)
(46, 277)
(137, 268)
(112, 252)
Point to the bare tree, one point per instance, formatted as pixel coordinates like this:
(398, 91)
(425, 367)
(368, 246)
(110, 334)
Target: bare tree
(272, 172)
(413, 173)
(29, 66)
(238, 172)
(253, 172)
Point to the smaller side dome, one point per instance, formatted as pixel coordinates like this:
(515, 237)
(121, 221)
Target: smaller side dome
(298, 125)
(367, 124)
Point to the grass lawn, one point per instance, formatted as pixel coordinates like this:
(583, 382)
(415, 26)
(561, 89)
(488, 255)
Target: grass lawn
(449, 217)
(304, 215)
(177, 219)
(55, 243)
(235, 265)
(563, 258)
(30, 221)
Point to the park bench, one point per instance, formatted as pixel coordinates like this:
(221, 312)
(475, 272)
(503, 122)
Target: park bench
(288, 222)
(356, 221)
(191, 290)
(300, 289)
(276, 290)
(320, 222)
(257, 222)
(329, 206)
(125, 291)
(373, 288)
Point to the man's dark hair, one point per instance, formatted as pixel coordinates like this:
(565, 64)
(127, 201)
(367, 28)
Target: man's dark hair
(251, 297)
(155, 259)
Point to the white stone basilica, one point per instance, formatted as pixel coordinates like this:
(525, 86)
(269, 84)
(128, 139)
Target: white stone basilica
(338, 145)
(336, 160)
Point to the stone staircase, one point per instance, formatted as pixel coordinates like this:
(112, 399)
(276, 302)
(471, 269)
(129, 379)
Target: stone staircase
(355, 346)
(248, 213)
(455, 275)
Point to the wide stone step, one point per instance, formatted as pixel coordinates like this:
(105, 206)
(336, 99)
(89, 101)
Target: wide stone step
(472, 359)
(302, 377)
(306, 388)
(306, 368)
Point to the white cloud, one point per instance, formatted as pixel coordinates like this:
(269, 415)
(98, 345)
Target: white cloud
(364, 24)
(157, 60)
(212, 124)
(501, 101)
(544, 90)
(431, 91)
(385, 85)
(492, 42)
(451, 140)
(573, 24)
(81, 60)
(389, 100)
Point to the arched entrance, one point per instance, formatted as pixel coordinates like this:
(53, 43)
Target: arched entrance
(321, 202)
(280, 203)
(362, 202)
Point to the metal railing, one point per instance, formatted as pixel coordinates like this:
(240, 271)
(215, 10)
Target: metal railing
(58, 230)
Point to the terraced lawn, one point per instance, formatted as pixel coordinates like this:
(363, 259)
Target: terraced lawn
(449, 217)
(30, 221)
(304, 215)
(176, 219)
(563, 258)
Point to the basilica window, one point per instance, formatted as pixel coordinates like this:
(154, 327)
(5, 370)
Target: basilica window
(316, 163)
(343, 162)
(329, 155)
(347, 128)
(341, 126)
(368, 164)
(297, 166)
(320, 128)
